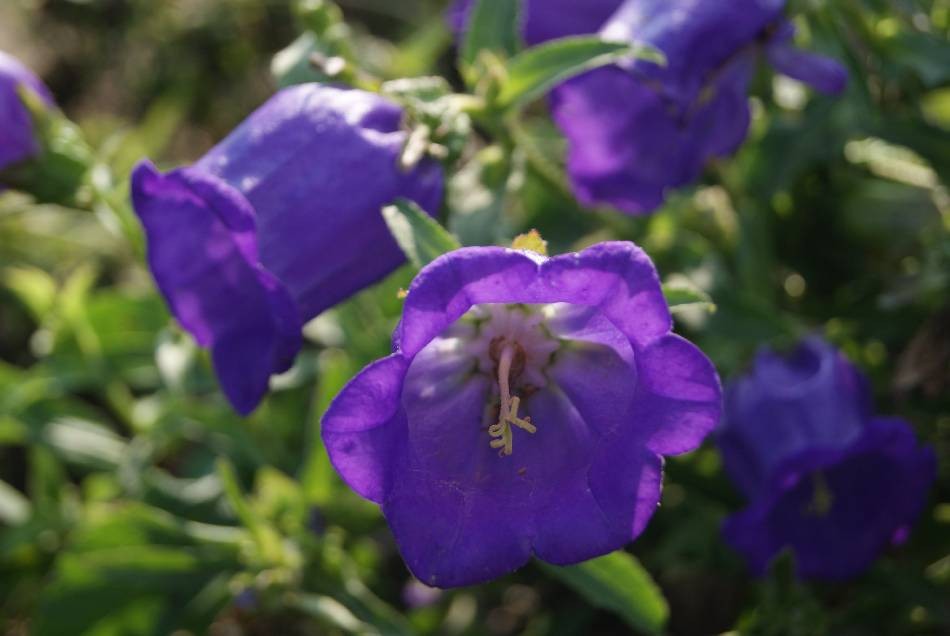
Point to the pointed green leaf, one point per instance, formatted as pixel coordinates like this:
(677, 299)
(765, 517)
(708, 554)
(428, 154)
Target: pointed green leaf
(492, 26)
(618, 583)
(682, 295)
(419, 236)
(532, 73)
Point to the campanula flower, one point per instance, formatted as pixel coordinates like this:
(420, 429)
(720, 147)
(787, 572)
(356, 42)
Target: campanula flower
(17, 138)
(525, 410)
(824, 476)
(639, 129)
(278, 222)
(547, 19)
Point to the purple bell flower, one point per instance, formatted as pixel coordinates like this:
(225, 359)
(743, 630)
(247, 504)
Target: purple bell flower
(17, 139)
(823, 475)
(524, 412)
(637, 130)
(544, 20)
(278, 222)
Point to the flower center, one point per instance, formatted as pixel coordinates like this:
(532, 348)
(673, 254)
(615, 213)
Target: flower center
(822, 498)
(500, 432)
(513, 345)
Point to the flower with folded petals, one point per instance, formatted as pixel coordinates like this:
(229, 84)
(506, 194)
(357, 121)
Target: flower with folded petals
(823, 475)
(277, 223)
(17, 137)
(525, 410)
(637, 130)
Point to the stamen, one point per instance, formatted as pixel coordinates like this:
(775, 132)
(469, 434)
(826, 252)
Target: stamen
(500, 432)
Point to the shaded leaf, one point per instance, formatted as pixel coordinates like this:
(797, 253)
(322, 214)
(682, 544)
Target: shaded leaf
(618, 583)
(534, 72)
(419, 236)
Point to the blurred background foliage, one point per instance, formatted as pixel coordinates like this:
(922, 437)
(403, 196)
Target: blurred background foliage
(133, 501)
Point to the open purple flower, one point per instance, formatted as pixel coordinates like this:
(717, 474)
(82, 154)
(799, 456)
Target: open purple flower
(17, 139)
(524, 411)
(824, 476)
(278, 222)
(637, 130)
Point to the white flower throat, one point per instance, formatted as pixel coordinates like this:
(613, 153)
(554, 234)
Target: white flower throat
(512, 345)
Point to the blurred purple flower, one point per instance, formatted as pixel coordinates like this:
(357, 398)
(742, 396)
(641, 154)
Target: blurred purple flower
(17, 140)
(637, 130)
(824, 476)
(278, 222)
(547, 19)
(524, 411)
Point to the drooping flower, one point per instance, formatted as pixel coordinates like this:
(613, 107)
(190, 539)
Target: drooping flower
(547, 19)
(637, 130)
(823, 475)
(278, 222)
(525, 410)
(17, 137)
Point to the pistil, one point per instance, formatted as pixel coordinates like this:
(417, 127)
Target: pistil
(500, 432)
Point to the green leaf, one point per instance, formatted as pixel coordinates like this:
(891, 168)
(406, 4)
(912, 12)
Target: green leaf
(134, 590)
(419, 236)
(85, 443)
(682, 294)
(317, 478)
(493, 26)
(330, 612)
(476, 198)
(34, 287)
(618, 583)
(14, 507)
(306, 59)
(532, 73)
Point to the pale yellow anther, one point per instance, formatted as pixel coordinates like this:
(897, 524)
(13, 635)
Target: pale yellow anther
(508, 411)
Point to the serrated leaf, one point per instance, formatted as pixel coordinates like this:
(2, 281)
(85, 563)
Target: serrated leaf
(681, 295)
(533, 72)
(420, 237)
(492, 26)
(618, 583)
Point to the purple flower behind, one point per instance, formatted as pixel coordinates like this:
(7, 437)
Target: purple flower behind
(547, 19)
(824, 476)
(637, 130)
(278, 222)
(525, 410)
(17, 140)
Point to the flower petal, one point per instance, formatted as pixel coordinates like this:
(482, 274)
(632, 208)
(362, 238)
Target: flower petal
(680, 398)
(616, 277)
(630, 142)
(364, 429)
(201, 251)
(451, 537)
(17, 140)
(301, 160)
(600, 489)
(812, 398)
(822, 73)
